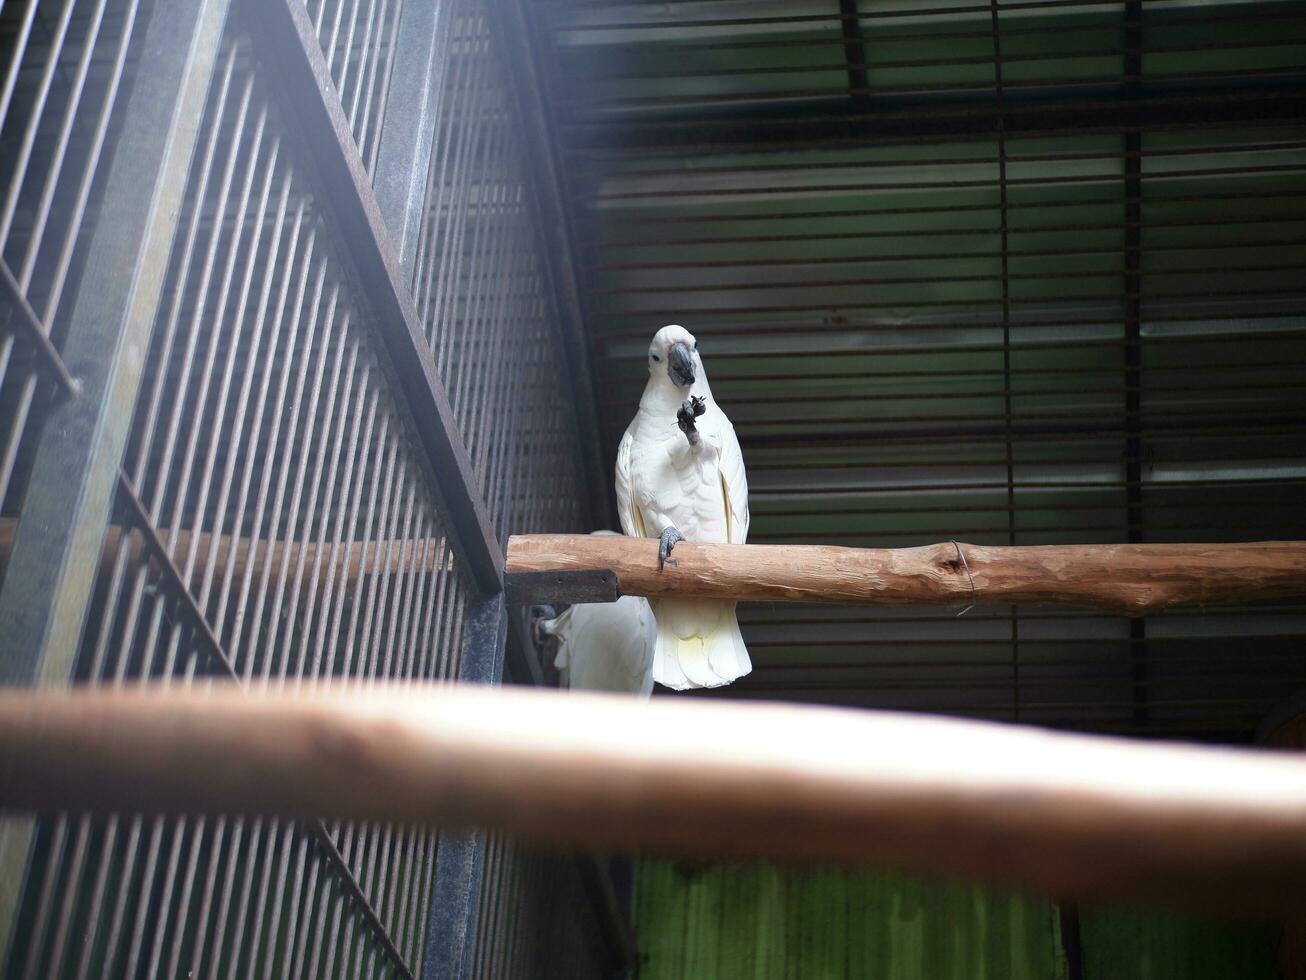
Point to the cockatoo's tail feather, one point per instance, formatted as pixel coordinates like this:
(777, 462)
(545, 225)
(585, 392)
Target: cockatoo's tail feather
(699, 644)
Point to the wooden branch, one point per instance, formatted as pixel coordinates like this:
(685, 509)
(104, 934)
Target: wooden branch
(1072, 815)
(1126, 578)
(1133, 579)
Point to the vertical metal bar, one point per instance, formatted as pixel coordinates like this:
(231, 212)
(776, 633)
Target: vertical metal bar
(1132, 286)
(460, 856)
(1006, 338)
(78, 452)
(1072, 947)
(854, 54)
(408, 127)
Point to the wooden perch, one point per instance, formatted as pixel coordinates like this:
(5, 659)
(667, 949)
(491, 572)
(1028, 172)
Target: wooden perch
(1126, 578)
(1071, 815)
(1133, 579)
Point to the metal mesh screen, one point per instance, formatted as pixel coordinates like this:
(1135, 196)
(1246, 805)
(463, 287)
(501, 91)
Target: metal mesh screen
(63, 68)
(276, 519)
(1010, 273)
(535, 920)
(480, 290)
(358, 40)
(277, 527)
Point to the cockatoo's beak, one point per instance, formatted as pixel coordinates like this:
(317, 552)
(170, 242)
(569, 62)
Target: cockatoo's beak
(680, 365)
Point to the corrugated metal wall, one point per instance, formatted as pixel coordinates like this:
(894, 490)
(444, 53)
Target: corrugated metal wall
(765, 923)
(1010, 272)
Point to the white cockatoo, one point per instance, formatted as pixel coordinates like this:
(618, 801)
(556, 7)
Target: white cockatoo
(680, 477)
(606, 646)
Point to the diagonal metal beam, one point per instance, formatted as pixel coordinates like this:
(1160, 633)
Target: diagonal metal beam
(286, 40)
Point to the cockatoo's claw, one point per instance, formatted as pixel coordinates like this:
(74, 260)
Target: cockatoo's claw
(690, 409)
(665, 543)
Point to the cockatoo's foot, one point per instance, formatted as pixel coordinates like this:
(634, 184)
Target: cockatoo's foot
(665, 543)
(539, 615)
(690, 409)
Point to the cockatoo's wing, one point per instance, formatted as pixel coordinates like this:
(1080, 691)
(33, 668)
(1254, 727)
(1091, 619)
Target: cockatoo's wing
(606, 646)
(734, 484)
(632, 522)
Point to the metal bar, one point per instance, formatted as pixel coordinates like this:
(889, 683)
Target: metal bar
(460, 854)
(408, 129)
(1009, 451)
(854, 54)
(533, 102)
(1132, 288)
(786, 128)
(284, 33)
(614, 922)
(23, 321)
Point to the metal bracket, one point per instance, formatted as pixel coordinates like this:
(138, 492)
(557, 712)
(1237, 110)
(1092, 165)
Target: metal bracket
(570, 586)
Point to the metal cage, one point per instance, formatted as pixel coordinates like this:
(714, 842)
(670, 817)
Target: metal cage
(282, 368)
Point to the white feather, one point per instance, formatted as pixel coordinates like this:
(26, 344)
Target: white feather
(606, 646)
(663, 481)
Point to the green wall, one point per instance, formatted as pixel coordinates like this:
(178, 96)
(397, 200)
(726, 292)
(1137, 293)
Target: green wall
(1127, 943)
(731, 922)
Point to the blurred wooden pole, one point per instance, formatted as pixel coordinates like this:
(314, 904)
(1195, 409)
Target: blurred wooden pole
(1124, 578)
(1074, 816)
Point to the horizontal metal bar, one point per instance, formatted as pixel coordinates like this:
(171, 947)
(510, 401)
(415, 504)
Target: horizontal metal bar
(783, 128)
(624, 109)
(287, 40)
(576, 585)
(1051, 54)
(914, 13)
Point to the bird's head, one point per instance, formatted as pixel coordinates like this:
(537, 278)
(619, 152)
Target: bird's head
(675, 352)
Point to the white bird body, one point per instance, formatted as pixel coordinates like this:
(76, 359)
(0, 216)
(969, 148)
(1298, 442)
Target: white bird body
(606, 646)
(702, 491)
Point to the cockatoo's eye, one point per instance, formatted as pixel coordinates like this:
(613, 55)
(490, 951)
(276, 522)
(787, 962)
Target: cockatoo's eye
(695, 347)
(657, 358)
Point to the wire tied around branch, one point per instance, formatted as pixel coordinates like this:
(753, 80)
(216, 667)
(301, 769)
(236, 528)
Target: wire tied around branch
(974, 593)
